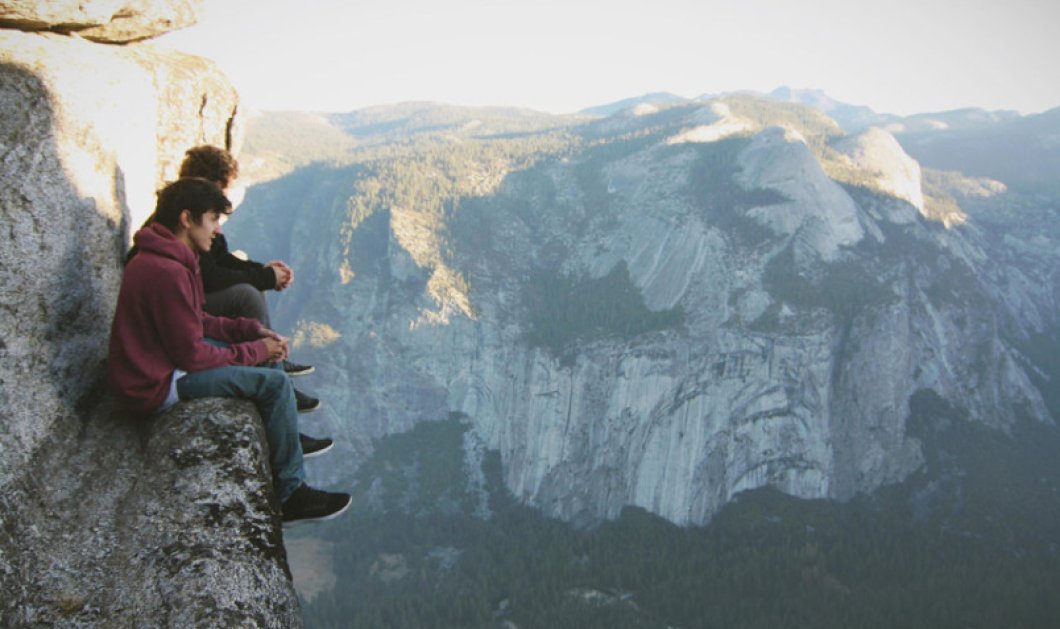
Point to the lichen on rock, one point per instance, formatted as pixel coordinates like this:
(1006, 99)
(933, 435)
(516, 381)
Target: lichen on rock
(168, 520)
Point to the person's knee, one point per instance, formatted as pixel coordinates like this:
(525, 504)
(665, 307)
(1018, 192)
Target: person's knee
(275, 380)
(268, 386)
(251, 302)
(245, 293)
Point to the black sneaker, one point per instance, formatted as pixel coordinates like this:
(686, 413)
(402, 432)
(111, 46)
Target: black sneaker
(306, 403)
(311, 446)
(307, 505)
(294, 369)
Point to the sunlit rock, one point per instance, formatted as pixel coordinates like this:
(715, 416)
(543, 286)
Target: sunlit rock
(108, 520)
(109, 21)
(82, 161)
(720, 123)
(819, 210)
(885, 165)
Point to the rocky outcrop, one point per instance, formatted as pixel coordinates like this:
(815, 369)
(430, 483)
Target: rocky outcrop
(822, 216)
(715, 122)
(82, 160)
(886, 166)
(166, 521)
(107, 21)
(106, 521)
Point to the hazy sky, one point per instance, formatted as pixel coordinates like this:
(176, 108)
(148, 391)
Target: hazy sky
(897, 56)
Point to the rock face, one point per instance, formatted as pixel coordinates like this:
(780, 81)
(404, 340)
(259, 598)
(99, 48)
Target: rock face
(819, 212)
(109, 21)
(105, 519)
(81, 165)
(812, 312)
(165, 522)
(876, 152)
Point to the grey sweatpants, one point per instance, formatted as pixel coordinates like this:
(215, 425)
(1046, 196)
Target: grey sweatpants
(241, 300)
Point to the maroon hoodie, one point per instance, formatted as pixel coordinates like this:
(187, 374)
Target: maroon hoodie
(159, 324)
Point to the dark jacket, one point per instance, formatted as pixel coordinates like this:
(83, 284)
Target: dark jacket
(221, 269)
(159, 324)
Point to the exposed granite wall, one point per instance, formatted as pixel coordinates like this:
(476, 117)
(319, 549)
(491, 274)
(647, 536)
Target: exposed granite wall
(105, 519)
(161, 522)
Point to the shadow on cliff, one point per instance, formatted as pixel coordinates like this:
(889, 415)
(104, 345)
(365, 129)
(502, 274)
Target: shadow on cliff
(80, 310)
(61, 255)
(102, 523)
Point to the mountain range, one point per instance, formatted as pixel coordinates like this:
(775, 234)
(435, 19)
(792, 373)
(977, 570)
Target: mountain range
(672, 306)
(723, 361)
(769, 291)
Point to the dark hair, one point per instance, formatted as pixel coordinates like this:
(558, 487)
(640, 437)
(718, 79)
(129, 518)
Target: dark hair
(210, 162)
(195, 194)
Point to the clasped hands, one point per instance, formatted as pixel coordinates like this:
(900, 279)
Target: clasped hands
(284, 274)
(276, 344)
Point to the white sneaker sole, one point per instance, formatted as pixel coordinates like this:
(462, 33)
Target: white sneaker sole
(309, 455)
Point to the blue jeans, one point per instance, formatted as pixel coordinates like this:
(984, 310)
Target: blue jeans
(271, 391)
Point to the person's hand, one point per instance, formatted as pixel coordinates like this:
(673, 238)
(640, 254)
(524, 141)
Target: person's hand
(284, 273)
(265, 332)
(290, 272)
(277, 349)
(276, 344)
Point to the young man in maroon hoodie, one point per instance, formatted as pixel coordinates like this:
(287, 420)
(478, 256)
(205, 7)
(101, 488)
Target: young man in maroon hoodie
(164, 348)
(235, 287)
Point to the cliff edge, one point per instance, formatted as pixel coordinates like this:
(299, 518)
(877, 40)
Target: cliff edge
(105, 519)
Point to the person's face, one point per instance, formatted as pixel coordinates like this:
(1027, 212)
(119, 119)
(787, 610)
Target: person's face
(200, 235)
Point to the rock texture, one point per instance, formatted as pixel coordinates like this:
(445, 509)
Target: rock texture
(876, 152)
(106, 521)
(819, 212)
(81, 162)
(167, 521)
(108, 21)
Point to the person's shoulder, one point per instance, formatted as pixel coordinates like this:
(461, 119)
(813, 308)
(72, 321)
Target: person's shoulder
(155, 268)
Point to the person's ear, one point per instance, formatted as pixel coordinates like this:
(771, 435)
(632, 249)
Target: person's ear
(184, 219)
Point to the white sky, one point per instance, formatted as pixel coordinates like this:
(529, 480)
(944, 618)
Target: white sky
(896, 56)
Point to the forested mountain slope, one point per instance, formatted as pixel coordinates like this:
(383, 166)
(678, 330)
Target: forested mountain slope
(658, 308)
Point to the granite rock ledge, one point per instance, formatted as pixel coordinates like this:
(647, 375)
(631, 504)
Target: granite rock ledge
(168, 521)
